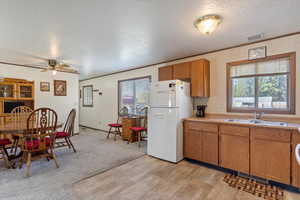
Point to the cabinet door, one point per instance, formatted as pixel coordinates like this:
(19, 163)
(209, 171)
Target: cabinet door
(165, 73)
(7, 90)
(271, 160)
(192, 144)
(200, 78)
(295, 165)
(210, 148)
(26, 91)
(234, 153)
(181, 71)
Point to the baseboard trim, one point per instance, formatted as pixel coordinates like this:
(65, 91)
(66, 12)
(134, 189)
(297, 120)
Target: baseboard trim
(97, 129)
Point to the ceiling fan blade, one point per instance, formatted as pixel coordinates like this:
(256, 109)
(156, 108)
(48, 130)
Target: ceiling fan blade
(23, 54)
(44, 70)
(66, 69)
(63, 65)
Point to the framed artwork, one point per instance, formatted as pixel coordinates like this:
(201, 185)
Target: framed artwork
(60, 88)
(255, 53)
(45, 87)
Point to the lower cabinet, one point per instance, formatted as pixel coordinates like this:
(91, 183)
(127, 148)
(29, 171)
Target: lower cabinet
(201, 142)
(271, 154)
(192, 145)
(234, 148)
(210, 144)
(259, 151)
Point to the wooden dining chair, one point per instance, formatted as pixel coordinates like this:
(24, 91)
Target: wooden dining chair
(118, 125)
(18, 114)
(62, 139)
(141, 131)
(38, 139)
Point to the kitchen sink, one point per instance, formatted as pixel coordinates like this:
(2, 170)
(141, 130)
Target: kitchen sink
(257, 121)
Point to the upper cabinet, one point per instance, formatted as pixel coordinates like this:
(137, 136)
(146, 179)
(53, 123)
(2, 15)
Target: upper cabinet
(7, 90)
(165, 73)
(182, 71)
(200, 78)
(197, 72)
(16, 89)
(25, 91)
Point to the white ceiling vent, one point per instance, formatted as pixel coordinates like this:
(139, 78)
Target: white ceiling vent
(256, 37)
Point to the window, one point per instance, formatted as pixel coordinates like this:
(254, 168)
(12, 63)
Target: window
(134, 94)
(87, 96)
(263, 85)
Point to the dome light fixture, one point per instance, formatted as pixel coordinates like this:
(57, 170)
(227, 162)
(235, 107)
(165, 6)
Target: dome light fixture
(208, 23)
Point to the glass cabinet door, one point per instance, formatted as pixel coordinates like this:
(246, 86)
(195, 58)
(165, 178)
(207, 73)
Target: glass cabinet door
(7, 90)
(25, 91)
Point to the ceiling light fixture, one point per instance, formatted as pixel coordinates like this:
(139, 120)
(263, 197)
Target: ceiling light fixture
(54, 72)
(208, 23)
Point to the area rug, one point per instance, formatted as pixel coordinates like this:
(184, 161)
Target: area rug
(95, 154)
(262, 190)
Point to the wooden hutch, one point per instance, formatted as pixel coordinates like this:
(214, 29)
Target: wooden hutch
(13, 93)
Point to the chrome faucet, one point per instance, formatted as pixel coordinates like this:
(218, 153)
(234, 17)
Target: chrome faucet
(258, 115)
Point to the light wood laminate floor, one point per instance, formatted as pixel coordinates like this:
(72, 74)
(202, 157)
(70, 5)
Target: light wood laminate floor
(149, 178)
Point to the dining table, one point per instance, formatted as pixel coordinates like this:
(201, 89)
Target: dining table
(16, 128)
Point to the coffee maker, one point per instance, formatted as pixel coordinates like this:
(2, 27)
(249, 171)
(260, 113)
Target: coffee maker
(201, 110)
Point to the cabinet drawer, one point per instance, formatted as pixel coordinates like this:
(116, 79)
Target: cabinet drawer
(208, 127)
(271, 134)
(234, 130)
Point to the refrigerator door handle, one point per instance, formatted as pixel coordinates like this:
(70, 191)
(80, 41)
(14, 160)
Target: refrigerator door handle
(159, 115)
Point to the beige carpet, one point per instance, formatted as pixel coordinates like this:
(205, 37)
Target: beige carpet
(95, 155)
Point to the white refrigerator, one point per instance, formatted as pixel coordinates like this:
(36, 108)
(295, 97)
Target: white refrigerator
(170, 102)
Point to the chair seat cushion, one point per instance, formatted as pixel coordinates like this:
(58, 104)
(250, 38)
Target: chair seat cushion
(34, 144)
(4, 142)
(137, 129)
(62, 134)
(115, 125)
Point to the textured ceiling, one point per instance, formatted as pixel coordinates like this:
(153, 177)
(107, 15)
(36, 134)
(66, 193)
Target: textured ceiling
(103, 36)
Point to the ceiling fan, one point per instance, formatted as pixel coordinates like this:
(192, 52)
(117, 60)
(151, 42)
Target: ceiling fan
(54, 66)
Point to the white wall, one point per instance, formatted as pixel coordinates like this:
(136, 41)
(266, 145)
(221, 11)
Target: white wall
(105, 107)
(61, 104)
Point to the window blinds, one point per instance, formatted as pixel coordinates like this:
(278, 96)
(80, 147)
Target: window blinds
(281, 65)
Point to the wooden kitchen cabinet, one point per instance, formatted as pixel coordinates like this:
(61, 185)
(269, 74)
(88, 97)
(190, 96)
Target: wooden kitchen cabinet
(165, 73)
(210, 147)
(234, 148)
(201, 142)
(182, 71)
(197, 72)
(192, 144)
(200, 78)
(295, 165)
(271, 154)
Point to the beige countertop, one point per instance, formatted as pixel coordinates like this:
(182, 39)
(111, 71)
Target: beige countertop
(289, 126)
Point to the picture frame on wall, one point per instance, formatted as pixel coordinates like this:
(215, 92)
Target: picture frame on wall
(60, 88)
(45, 86)
(258, 52)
